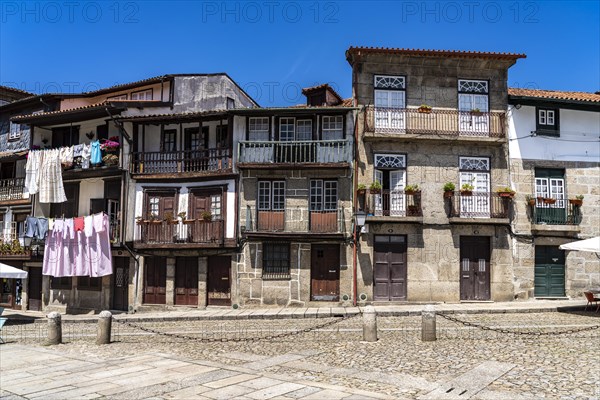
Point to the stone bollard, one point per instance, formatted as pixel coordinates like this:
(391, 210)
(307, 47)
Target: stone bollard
(54, 328)
(369, 324)
(428, 333)
(104, 327)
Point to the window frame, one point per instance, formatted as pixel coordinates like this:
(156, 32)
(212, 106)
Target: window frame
(303, 121)
(291, 122)
(164, 142)
(118, 97)
(61, 283)
(267, 132)
(276, 252)
(269, 203)
(89, 283)
(14, 134)
(323, 195)
(329, 130)
(544, 128)
(145, 91)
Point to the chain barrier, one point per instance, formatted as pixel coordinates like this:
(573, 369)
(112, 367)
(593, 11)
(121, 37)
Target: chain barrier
(237, 339)
(513, 332)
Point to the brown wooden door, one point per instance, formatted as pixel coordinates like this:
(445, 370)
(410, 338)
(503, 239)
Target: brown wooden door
(325, 272)
(121, 283)
(218, 287)
(389, 268)
(186, 281)
(35, 289)
(155, 280)
(159, 204)
(474, 268)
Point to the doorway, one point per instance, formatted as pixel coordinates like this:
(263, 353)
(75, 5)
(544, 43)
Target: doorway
(218, 286)
(325, 272)
(389, 268)
(475, 268)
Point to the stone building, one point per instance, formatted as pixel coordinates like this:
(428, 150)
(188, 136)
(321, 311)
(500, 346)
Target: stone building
(554, 159)
(431, 118)
(295, 201)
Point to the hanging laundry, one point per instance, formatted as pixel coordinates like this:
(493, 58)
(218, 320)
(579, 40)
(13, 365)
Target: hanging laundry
(86, 156)
(78, 224)
(32, 171)
(51, 187)
(96, 154)
(66, 156)
(70, 252)
(36, 228)
(78, 150)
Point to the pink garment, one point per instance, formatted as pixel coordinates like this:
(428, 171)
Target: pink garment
(70, 253)
(78, 224)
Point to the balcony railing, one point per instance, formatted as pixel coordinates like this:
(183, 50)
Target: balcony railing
(394, 203)
(296, 152)
(184, 161)
(12, 189)
(196, 231)
(295, 220)
(561, 212)
(438, 122)
(479, 205)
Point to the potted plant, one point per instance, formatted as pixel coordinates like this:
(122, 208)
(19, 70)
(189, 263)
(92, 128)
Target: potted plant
(139, 220)
(577, 201)
(549, 200)
(111, 145)
(530, 200)
(182, 215)
(449, 188)
(375, 187)
(506, 192)
(466, 189)
(206, 216)
(424, 109)
(154, 219)
(476, 112)
(170, 219)
(411, 189)
(361, 189)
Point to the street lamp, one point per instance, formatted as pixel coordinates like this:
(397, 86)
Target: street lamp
(360, 218)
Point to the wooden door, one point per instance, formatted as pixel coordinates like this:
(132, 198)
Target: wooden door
(158, 205)
(475, 268)
(186, 281)
(325, 272)
(121, 283)
(389, 268)
(549, 272)
(155, 280)
(218, 285)
(200, 231)
(35, 288)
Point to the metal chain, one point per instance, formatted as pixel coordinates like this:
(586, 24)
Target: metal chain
(501, 330)
(237, 339)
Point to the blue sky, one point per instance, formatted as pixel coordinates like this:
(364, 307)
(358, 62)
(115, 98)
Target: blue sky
(273, 48)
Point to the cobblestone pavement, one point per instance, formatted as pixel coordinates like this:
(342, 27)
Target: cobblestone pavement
(537, 358)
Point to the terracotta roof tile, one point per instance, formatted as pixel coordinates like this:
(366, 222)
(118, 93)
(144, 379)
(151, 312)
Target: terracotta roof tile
(555, 94)
(437, 53)
(347, 103)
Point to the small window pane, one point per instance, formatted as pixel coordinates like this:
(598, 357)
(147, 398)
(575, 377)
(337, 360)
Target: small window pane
(259, 129)
(276, 260)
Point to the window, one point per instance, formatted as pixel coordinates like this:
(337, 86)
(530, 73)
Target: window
(89, 283)
(64, 283)
(323, 195)
(547, 122)
(550, 183)
(222, 136)
(276, 261)
(258, 129)
(286, 129)
(142, 95)
(230, 103)
(215, 206)
(271, 195)
(118, 97)
(15, 131)
(389, 95)
(153, 206)
(304, 129)
(168, 141)
(333, 128)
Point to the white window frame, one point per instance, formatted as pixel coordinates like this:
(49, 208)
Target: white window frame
(118, 97)
(216, 206)
(285, 123)
(14, 132)
(546, 117)
(260, 133)
(301, 125)
(323, 195)
(389, 100)
(553, 188)
(271, 195)
(142, 95)
(332, 127)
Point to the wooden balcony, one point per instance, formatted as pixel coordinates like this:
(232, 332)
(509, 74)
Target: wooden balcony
(294, 220)
(436, 123)
(187, 162)
(478, 207)
(11, 190)
(317, 153)
(194, 233)
(394, 204)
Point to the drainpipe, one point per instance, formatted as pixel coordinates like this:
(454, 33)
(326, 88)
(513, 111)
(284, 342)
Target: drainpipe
(354, 234)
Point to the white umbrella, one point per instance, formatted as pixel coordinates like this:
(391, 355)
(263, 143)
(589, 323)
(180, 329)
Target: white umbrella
(6, 271)
(591, 245)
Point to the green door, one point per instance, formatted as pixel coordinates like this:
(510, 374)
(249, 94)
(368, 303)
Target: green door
(549, 271)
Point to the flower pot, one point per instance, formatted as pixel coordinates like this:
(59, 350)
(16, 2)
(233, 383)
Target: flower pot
(156, 222)
(375, 191)
(172, 222)
(448, 194)
(361, 191)
(531, 202)
(540, 199)
(549, 200)
(476, 113)
(189, 221)
(466, 193)
(410, 192)
(576, 202)
(508, 195)
(424, 110)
